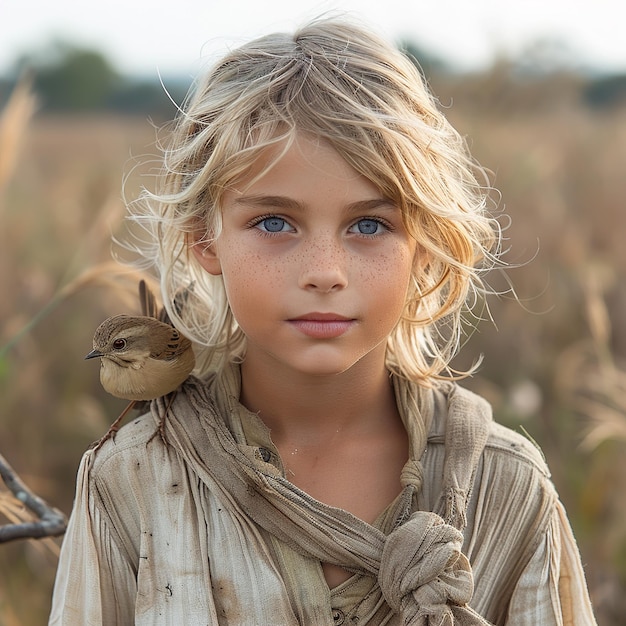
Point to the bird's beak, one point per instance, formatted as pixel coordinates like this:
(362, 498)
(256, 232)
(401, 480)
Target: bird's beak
(93, 354)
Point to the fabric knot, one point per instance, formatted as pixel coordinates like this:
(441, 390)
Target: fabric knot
(412, 474)
(421, 570)
(424, 576)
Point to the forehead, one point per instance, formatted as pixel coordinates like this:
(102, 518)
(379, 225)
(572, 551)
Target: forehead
(302, 165)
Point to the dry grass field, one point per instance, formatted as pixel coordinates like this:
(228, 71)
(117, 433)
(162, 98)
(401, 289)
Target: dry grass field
(553, 360)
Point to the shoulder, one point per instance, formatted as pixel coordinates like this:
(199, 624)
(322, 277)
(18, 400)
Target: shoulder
(139, 453)
(500, 440)
(138, 483)
(136, 472)
(132, 441)
(507, 485)
(139, 438)
(517, 448)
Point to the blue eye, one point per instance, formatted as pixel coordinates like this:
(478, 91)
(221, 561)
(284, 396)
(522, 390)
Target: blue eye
(367, 227)
(273, 225)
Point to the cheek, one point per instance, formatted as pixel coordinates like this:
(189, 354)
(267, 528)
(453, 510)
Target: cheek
(250, 282)
(391, 274)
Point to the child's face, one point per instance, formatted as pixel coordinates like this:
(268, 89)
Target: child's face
(316, 263)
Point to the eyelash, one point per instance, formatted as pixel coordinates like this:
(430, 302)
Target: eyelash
(258, 220)
(261, 218)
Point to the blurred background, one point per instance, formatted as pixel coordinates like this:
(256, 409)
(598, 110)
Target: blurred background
(539, 90)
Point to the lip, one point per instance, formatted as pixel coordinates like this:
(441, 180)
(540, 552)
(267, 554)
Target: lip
(322, 325)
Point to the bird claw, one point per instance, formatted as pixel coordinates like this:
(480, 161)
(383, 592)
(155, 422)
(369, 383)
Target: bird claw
(160, 429)
(115, 426)
(110, 434)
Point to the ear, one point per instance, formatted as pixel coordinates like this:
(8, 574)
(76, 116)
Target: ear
(207, 256)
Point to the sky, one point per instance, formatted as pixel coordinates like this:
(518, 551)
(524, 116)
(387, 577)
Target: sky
(182, 36)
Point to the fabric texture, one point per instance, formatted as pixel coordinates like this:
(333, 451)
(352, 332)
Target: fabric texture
(207, 529)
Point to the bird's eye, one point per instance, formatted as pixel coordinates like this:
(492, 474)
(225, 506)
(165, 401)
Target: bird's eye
(119, 344)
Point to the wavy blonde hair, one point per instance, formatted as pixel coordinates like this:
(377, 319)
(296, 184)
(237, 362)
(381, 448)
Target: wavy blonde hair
(340, 82)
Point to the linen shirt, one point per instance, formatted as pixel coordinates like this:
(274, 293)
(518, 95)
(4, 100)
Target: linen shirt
(150, 541)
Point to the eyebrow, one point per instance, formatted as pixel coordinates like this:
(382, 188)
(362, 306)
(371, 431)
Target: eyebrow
(286, 202)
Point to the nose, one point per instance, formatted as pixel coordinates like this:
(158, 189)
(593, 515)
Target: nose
(323, 266)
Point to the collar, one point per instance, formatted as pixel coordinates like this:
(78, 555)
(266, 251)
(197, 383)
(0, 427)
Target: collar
(416, 405)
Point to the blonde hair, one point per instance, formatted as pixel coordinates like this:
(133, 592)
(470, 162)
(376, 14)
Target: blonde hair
(344, 84)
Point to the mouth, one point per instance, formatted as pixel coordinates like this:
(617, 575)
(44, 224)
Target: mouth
(322, 325)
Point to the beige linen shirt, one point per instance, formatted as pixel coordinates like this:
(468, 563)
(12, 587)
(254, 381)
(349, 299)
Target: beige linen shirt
(152, 541)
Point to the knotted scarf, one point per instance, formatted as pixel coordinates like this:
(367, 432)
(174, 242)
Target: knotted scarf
(422, 573)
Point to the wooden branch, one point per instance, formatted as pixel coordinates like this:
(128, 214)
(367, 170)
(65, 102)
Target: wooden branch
(51, 523)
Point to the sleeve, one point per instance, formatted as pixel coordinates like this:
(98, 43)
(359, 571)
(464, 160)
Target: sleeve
(95, 582)
(552, 590)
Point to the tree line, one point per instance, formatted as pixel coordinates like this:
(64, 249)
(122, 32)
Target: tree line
(71, 79)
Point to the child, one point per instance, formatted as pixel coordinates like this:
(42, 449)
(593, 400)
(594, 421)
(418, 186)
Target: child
(321, 467)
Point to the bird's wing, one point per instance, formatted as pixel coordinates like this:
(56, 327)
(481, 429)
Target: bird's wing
(165, 342)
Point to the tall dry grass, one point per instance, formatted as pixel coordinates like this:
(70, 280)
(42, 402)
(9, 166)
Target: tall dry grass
(554, 365)
(556, 362)
(60, 202)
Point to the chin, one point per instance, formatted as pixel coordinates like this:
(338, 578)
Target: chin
(320, 367)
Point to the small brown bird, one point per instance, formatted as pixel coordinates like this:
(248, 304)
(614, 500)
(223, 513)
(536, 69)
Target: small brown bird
(142, 357)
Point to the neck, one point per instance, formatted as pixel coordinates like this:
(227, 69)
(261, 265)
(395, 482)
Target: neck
(299, 406)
